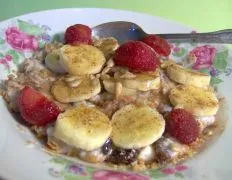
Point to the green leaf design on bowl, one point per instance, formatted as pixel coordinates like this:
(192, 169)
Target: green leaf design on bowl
(59, 160)
(2, 41)
(215, 80)
(69, 176)
(180, 53)
(56, 37)
(157, 174)
(89, 169)
(41, 44)
(220, 61)
(15, 56)
(206, 71)
(30, 29)
(179, 175)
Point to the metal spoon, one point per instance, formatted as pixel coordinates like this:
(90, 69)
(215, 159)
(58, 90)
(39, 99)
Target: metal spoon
(124, 31)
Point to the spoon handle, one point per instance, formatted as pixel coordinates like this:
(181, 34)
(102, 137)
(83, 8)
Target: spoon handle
(222, 36)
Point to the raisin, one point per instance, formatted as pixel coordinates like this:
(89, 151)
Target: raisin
(107, 147)
(123, 156)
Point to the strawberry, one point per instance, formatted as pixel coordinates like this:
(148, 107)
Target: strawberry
(78, 33)
(182, 125)
(160, 45)
(137, 56)
(35, 108)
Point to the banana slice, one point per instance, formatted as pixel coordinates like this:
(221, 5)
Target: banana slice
(136, 126)
(52, 61)
(114, 87)
(73, 89)
(142, 82)
(107, 46)
(201, 102)
(83, 127)
(82, 59)
(166, 63)
(186, 76)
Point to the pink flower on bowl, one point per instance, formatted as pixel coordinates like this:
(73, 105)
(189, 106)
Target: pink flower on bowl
(174, 47)
(20, 41)
(202, 56)
(8, 57)
(168, 171)
(108, 175)
(181, 167)
(5, 61)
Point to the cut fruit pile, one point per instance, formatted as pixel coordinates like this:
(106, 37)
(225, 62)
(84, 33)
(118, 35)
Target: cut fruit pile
(152, 102)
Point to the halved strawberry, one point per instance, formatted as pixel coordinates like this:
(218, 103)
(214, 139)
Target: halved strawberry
(78, 33)
(160, 45)
(35, 108)
(137, 56)
(182, 125)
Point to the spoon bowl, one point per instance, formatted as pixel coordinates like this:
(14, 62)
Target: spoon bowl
(121, 30)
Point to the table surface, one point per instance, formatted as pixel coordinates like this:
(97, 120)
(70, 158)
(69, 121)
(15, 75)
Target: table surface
(204, 15)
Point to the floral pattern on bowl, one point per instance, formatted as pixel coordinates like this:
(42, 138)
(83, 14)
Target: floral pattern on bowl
(209, 59)
(22, 38)
(71, 170)
(19, 40)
